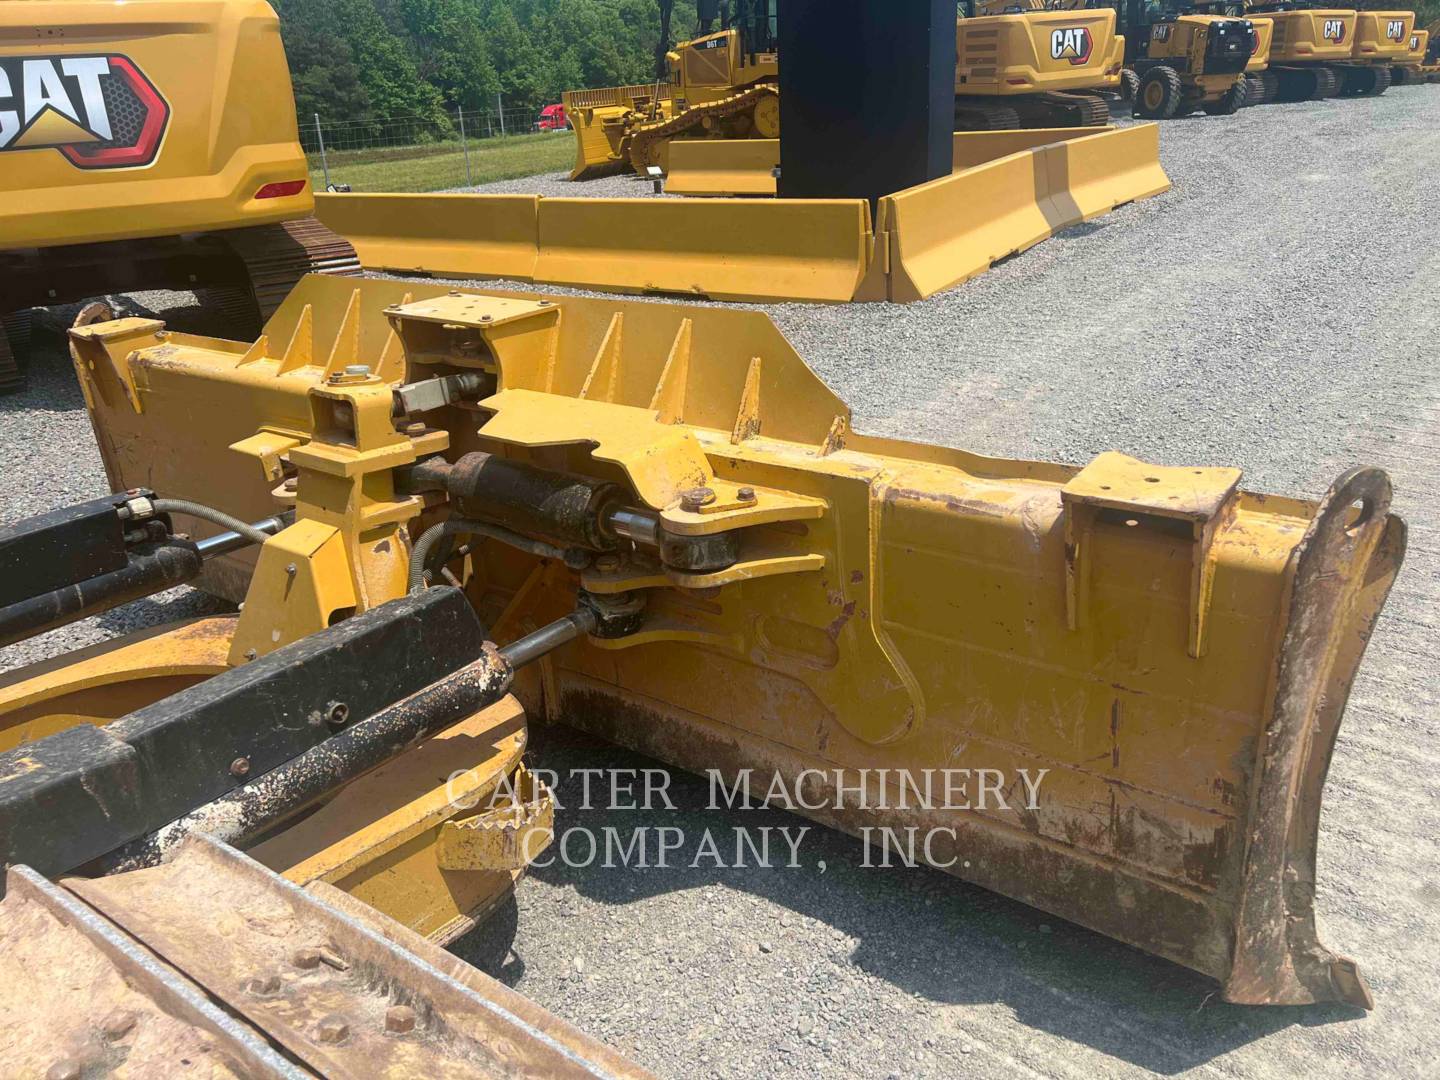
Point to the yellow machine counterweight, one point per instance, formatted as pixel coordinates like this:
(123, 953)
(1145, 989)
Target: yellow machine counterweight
(152, 148)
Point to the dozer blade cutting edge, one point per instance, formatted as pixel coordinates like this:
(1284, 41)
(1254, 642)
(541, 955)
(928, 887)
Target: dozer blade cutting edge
(1164, 656)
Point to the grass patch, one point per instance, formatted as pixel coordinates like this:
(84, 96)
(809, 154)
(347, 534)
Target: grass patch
(438, 166)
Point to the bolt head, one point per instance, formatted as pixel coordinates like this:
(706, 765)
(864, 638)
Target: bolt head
(307, 959)
(250, 654)
(264, 985)
(332, 1029)
(291, 569)
(399, 1019)
(695, 498)
(240, 767)
(607, 564)
(118, 1024)
(746, 494)
(357, 369)
(337, 713)
(291, 483)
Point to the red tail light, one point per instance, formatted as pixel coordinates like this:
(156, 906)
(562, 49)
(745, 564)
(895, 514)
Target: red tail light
(280, 189)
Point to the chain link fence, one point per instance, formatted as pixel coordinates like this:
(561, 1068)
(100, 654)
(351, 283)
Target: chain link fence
(437, 152)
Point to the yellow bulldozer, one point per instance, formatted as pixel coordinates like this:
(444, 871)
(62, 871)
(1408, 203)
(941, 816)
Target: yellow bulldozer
(155, 148)
(723, 84)
(1109, 690)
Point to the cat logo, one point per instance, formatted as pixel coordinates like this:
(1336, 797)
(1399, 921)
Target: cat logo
(100, 112)
(1161, 32)
(1333, 30)
(1414, 42)
(1071, 43)
(1395, 29)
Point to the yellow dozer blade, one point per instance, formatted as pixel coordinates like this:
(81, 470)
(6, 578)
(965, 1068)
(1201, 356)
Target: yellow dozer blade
(1108, 690)
(598, 119)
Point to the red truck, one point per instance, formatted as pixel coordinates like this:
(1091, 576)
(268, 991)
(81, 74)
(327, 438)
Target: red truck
(552, 118)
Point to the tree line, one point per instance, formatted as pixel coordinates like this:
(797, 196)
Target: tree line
(372, 59)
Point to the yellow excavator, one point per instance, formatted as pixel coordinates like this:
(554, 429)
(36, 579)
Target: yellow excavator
(720, 85)
(1320, 52)
(1411, 68)
(1181, 56)
(1023, 63)
(152, 148)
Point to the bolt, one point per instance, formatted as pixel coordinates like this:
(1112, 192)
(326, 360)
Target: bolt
(264, 985)
(250, 654)
(333, 1029)
(337, 713)
(291, 569)
(64, 1069)
(487, 318)
(291, 483)
(357, 369)
(607, 564)
(240, 767)
(417, 428)
(399, 1019)
(746, 494)
(695, 498)
(306, 959)
(453, 292)
(118, 1024)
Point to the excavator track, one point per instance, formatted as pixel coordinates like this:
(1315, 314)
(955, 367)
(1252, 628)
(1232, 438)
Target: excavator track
(1055, 108)
(14, 333)
(277, 256)
(644, 137)
(1083, 110)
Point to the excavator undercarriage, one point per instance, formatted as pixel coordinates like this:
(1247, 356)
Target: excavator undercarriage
(655, 522)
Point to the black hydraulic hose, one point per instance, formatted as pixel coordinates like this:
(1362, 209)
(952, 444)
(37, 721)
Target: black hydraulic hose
(210, 514)
(467, 526)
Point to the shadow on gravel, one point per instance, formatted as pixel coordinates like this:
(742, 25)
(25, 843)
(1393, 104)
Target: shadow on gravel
(917, 928)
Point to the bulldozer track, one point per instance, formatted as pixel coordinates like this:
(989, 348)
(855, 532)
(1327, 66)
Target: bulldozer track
(14, 333)
(277, 256)
(646, 135)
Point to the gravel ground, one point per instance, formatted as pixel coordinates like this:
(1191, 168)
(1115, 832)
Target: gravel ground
(1275, 311)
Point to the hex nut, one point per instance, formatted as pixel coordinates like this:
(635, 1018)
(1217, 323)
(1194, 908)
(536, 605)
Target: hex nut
(692, 500)
(264, 985)
(399, 1019)
(240, 767)
(332, 1029)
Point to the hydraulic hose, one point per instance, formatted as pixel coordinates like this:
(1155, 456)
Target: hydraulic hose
(210, 514)
(467, 526)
